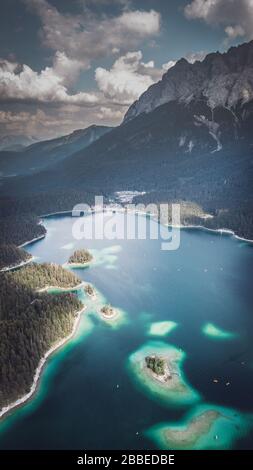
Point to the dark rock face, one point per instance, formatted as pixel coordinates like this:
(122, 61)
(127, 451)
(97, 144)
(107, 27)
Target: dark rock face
(223, 79)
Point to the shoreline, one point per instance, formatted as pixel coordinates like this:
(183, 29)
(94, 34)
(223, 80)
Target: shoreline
(23, 263)
(40, 367)
(220, 231)
(109, 317)
(197, 227)
(33, 239)
(77, 265)
(51, 214)
(63, 289)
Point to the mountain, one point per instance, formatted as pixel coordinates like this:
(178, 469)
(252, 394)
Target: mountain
(221, 80)
(43, 154)
(15, 142)
(184, 149)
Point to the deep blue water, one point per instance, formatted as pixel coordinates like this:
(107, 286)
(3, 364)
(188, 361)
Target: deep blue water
(208, 279)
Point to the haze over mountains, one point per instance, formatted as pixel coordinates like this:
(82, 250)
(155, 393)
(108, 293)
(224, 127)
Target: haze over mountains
(15, 142)
(40, 155)
(188, 137)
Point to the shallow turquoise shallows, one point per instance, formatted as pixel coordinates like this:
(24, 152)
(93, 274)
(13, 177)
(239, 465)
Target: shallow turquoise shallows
(88, 396)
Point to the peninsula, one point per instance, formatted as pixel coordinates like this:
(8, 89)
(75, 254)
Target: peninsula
(11, 257)
(33, 324)
(45, 276)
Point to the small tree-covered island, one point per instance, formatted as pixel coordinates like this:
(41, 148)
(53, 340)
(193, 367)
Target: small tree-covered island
(108, 312)
(90, 291)
(158, 367)
(32, 325)
(80, 258)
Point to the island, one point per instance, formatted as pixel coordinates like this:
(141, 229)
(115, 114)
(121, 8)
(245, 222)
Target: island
(99, 308)
(157, 369)
(90, 291)
(108, 312)
(80, 258)
(205, 427)
(33, 325)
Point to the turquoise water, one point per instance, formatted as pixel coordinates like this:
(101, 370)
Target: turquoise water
(87, 397)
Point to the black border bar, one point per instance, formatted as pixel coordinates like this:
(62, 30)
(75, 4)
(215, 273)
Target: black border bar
(109, 459)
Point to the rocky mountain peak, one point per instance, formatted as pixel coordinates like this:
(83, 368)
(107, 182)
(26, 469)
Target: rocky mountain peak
(223, 79)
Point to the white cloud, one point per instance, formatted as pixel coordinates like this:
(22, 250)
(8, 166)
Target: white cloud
(141, 23)
(76, 41)
(190, 57)
(235, 15)
(128, 78)
(48, 86)
(113, 115)
(234, 32)
(86, 36)
(193, 57)
(169, 65)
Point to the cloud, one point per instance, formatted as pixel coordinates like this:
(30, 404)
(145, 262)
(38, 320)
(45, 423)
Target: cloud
(21, 83)
(87, 36)
(114, 115)
(169, 65)
(234, 32)
(44, 122)
(127, 79)
(191, 57)
(76, 39)
(235, 15)
(141, 23)
(32, 122)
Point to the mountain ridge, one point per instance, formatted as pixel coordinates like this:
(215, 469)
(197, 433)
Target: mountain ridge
(39, 155)
(224, 79)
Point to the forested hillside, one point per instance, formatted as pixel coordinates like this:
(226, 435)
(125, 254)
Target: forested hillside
(37, 276)
(11, 255)
(30, 323)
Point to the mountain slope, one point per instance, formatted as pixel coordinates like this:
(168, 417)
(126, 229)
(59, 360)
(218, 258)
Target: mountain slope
(43, 154)
(221, 79)
(175, 148)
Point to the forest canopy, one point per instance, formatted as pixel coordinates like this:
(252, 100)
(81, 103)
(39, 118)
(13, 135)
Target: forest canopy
(30, 324)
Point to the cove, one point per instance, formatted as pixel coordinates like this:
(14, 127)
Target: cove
(86, 397)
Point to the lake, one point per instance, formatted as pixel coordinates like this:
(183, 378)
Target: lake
(87, 397)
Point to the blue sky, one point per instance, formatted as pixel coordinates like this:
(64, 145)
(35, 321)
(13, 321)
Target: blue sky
(68, 64)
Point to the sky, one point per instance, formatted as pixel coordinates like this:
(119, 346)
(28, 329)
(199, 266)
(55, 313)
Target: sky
(67, 64)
